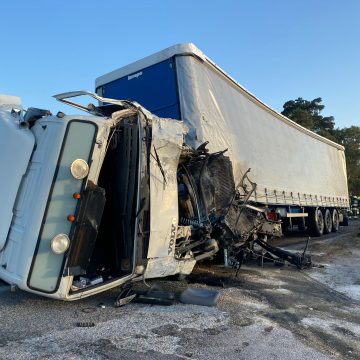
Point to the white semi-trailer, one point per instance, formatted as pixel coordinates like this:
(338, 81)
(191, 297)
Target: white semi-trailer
(298, 174)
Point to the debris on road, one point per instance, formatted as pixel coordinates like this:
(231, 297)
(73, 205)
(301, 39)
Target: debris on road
(85, 324)
(199, 296)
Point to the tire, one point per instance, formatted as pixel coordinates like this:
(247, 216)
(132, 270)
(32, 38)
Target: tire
(327, 221)
(346, 221)
(316, 222)
(335, 220)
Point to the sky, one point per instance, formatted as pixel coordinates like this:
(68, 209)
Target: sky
(279, 50)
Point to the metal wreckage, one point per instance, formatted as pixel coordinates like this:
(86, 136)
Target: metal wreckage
(213, 213)
(135, 203)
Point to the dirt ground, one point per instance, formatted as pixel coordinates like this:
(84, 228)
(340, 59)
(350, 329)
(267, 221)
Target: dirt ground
(265, 313)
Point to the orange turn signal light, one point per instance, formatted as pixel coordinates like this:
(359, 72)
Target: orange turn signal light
(76, 196)
(71, 218)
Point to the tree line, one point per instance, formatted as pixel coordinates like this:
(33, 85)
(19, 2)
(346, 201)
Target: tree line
(308, 114)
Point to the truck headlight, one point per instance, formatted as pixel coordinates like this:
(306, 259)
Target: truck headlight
(60, 243)
(79, 169)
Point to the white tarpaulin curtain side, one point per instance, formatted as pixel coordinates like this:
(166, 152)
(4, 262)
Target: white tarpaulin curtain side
(289, 165)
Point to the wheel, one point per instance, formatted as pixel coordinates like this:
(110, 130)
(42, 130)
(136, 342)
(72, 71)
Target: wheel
(335, 221)
(316, 222)
(346, 221)
(327, 221)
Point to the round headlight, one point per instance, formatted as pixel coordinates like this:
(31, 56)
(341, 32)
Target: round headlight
(60, 243)
(79, 169)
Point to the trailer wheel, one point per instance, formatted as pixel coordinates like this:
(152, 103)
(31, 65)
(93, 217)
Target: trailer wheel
(327, 221)
(316, 222)
(335, 221)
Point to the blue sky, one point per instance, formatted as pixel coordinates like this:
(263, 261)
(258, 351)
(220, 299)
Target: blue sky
(277, 49)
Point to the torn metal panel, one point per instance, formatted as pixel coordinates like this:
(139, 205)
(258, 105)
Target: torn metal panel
(271, 228)
(167, 141)
(167, 266)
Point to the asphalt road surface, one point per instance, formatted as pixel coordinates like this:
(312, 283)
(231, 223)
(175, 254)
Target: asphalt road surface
(265, 313)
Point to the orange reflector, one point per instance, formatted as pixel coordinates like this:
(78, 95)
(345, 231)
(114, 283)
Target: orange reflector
(71, 218)
(76, 196)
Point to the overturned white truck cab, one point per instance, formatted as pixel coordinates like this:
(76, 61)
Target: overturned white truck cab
(75, 199)
(92, 202)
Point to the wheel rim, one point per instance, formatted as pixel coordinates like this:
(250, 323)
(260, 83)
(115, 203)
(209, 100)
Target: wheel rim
(320, 221)
(328, 220)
